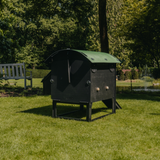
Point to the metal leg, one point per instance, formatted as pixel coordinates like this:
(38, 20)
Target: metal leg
(113, 105)
(54, 110)
(81, 107)
(89, 111)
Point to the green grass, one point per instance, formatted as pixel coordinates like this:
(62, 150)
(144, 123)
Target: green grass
(36, 82)
(137, 83)
(28, 131)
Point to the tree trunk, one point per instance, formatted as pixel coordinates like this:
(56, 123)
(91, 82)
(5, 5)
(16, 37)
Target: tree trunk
(103, 26)
(157, 63)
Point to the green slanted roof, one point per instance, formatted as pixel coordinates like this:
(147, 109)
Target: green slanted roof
(98, 57)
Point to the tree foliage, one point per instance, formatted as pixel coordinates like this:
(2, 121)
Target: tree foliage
(41, 27)
(7, 33)
(113, 15)
(31, 30)
(140, 26)
(116, 41)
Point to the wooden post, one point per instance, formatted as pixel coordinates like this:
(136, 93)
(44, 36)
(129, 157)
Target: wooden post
(89, 111)
(54, 110)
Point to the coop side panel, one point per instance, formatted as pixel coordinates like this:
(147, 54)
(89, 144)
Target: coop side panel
(103, 82)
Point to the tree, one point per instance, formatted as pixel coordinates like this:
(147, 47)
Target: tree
(46, 26)
(115, 43)
(103, 26)
(7, 42)
(140, 25)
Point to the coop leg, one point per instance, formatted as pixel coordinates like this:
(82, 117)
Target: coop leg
(113, 105)
(89, 111)
(54, 110)
(81, 107)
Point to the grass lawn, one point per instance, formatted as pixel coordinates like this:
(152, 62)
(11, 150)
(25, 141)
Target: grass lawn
(28, 131)
(135, 83)
(36, 82)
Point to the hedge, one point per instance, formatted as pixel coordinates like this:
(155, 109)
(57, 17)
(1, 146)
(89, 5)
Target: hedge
(38, 73)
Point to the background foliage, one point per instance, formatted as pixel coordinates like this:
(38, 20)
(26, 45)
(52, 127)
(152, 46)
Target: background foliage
(31, 30)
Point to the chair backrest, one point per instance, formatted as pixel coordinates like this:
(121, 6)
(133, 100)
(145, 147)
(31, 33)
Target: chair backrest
(12, 71)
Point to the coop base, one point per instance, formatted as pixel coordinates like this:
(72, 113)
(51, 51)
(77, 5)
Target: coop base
(78, 119)
(88, 111)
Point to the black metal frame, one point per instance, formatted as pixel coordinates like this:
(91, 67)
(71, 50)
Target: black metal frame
(88, 111)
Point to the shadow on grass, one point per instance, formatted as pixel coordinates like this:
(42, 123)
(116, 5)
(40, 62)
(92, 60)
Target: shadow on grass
(45, 111)
(61, 109)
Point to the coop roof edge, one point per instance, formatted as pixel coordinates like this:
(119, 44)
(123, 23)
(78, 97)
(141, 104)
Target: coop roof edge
(92, 56)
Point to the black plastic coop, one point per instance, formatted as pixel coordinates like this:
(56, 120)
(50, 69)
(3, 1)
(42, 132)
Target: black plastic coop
(82, 77)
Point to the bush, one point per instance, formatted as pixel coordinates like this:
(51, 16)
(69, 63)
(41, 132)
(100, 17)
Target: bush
(147, 79)
(127, 75)
(121, 75)
(38, 73)
(140, 71)
(134, 74)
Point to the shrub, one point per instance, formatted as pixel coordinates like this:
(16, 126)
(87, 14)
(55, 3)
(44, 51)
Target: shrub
(134, 74)
(121, 75)
(140, 70)
(127, 75)
(147, 79)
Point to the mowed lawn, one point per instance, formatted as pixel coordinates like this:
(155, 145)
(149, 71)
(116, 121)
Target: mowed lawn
(28, 131)
(135, 83)
(37, 83)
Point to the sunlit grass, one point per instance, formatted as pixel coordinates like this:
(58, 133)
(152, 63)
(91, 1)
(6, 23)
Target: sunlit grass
(136, 83)
(36, 82)
(28, 131)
